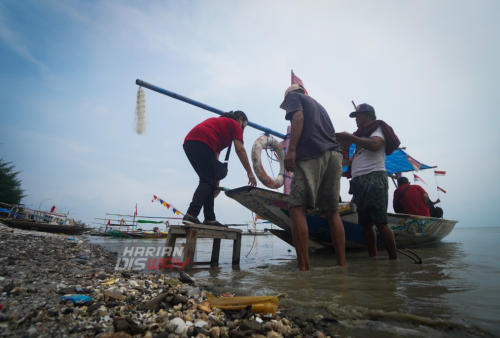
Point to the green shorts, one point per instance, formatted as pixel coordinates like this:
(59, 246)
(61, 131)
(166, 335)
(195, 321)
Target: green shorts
(316, 182)
(371, 196)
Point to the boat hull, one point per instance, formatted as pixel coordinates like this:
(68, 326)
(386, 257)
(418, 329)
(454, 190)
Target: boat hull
(409, 230)
(52, 228)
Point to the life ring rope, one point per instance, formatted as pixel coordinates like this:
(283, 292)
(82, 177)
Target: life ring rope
(260, 143)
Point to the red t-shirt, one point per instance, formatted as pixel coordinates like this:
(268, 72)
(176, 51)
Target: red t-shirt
(216, 132)
(412, 201)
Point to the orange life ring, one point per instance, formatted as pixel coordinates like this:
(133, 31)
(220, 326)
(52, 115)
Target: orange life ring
(260, 143)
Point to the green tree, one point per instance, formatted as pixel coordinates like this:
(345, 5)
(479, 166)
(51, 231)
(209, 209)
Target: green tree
(10, 185)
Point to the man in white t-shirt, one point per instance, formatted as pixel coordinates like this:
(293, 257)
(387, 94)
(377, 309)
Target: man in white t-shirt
(369, 183)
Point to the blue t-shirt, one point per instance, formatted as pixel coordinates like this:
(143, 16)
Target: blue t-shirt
(318, 134)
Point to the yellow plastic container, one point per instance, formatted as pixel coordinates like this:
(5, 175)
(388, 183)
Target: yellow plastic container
(260, 304)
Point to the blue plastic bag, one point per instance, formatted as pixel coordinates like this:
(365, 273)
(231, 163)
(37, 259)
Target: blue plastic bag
(77, 299)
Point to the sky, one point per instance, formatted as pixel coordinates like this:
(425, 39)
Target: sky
(67, 96)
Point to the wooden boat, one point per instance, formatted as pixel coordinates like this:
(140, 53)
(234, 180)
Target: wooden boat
(45, 227)
(409, 230)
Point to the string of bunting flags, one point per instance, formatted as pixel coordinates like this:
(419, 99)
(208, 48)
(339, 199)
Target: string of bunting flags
(166, 205)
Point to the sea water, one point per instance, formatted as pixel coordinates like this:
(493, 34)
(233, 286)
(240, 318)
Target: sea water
(454, 293)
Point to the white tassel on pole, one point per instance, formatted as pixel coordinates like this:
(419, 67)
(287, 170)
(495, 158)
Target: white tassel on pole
(140, 112)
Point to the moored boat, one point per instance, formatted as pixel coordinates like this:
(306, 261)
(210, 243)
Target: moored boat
(44, 227)
(409, 230)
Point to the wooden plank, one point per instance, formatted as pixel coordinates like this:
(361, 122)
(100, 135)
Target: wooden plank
(214, 261)
(177, 230)
(237, 250)
(216, 234)
(170, 244)
(210, 227)
(190, 248)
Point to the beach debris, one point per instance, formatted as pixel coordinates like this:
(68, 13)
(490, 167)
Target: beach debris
(77, 299)
(74, 290)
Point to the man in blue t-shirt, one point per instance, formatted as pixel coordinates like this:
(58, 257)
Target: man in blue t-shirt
(315, 159)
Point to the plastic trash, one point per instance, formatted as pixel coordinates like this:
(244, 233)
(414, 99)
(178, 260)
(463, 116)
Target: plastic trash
(260, 304)
(77, 299)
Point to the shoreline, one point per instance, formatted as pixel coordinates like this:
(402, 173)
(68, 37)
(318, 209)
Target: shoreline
(37, 269)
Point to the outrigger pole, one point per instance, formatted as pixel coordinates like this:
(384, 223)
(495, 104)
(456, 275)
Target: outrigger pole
(203, 106)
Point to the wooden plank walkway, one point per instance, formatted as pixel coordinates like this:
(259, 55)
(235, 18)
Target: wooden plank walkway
(194, 231)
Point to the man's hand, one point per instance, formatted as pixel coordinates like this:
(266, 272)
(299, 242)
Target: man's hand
(343, 136)
(290, 160)
(251, 179)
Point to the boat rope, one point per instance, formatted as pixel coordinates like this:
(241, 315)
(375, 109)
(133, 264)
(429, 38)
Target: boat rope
(254, 238)
(415, 261)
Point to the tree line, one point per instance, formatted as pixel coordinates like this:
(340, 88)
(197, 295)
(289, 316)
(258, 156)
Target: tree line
(10, 185)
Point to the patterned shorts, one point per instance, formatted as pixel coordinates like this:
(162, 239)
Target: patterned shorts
(316, 182)
(371, 196)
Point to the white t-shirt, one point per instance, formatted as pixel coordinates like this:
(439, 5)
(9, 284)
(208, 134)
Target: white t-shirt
(366, 161)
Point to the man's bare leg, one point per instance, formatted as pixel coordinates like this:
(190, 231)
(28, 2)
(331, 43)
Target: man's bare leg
(388, 238)
(338, 236)
(300, 236)
(370, 239)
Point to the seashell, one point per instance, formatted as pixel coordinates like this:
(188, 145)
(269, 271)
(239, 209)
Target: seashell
(231, 325)
(272, 334)
(177, 325)
(285, 322)
(277, 326)
(224, 332)
(178, 307)
(201, 324)
(203, 316)
(178, 314)
(215, 332)
(319, 334)
(188, 318)
(258, 320)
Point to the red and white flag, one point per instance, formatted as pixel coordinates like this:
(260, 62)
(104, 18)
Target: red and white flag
(442, 190)
(135, 214)
(53, 208)
(439, 173)
(416, 179)
(296, 80)
(414, 163)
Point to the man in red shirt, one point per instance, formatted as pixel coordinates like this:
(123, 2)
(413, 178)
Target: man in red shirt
(414, 200)
(202, 146)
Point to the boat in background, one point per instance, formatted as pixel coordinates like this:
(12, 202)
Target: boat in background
(44, 227)
(20, 217)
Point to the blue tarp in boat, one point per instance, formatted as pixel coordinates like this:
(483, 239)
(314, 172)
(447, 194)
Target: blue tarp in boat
(10, 212)
(397, 162)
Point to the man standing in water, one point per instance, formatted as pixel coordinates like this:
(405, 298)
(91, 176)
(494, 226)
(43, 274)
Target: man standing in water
(369, 185)
(315, 159)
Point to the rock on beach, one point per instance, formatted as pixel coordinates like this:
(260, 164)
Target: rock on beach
(37, 269)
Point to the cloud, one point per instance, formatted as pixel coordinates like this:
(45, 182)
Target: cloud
(16, 42)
